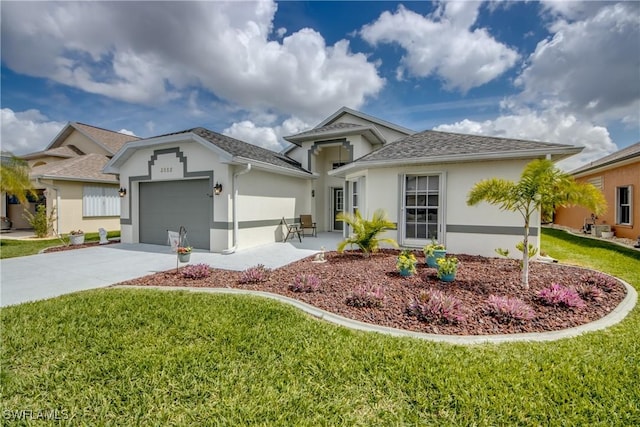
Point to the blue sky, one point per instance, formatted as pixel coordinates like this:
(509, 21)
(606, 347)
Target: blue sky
(564, 72)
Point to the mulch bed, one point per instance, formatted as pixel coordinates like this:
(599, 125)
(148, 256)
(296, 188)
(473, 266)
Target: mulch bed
(72, 247)
(477, 278)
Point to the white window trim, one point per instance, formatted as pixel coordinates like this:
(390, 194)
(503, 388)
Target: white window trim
(630, 204)
(442, 235)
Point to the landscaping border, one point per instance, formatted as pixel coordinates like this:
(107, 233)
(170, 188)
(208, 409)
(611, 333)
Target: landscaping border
(614, 317)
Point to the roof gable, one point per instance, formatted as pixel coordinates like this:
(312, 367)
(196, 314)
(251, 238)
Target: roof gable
(107, 140)
(346, 111)
(81, 168)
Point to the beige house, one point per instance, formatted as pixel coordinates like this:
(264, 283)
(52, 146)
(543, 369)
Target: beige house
(69, 179)
(229, 194)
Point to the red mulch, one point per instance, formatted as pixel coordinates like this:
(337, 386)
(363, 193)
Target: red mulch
(476, 279)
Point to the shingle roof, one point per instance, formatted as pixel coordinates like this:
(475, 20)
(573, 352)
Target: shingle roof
(110, 139)
(82, 168)
(239, 148)
(432, 143)
(610, 160)
(328, 128)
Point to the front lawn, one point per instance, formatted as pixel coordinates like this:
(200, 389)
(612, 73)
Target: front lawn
(130, 356)
(11, 248)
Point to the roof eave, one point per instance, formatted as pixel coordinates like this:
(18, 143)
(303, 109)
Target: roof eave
(73, 178)
(583, 171)
(367, 117)
(272, 168)
(556, 154)
(337, 133)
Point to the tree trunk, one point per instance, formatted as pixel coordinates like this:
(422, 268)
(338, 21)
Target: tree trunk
(525, 257)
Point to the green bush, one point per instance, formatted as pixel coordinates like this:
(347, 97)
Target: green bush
(41, 222)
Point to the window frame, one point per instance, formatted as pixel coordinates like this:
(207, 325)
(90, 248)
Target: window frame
(622, 207)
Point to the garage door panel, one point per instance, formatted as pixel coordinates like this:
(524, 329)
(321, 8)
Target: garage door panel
(167, 205)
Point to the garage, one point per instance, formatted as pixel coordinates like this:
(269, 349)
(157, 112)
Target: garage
(167, 205)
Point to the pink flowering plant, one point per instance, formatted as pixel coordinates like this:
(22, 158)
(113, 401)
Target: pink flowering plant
(366, 296)
(256, 274)
(558, 295)
(438, 307)
(305, 283)
(508, 310)
(196, 271)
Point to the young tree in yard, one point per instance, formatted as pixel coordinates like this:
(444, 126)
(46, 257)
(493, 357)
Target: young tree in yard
(542, 187)
(365, 232)
(14, 179)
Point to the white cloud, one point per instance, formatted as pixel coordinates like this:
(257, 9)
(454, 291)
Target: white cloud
(548, 126)
(442, 44)
(142, 52)
(269, 137)
(27, 131)
(591, 65)
(127, 132)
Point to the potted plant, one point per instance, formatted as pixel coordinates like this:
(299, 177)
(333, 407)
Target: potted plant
(432, 252)
(184, 253)
(406, 263)
(76, 237)
(447, 268)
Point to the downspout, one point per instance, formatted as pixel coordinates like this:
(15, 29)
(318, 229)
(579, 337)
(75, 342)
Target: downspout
(235, 209)
(57, 206)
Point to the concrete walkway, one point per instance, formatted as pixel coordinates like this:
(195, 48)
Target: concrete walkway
(42, 276)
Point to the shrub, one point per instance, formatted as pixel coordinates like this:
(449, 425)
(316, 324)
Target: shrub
(196, 271)
(590, 292)
(436, 306)
(305, 283)
(256, 274)
(366, 233)
(41, 222)
(507, 310)
(366, 296)
(561, 296)
(604, 282)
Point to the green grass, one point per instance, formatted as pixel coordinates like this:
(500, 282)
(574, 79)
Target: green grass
(10, 248)
(128, 357)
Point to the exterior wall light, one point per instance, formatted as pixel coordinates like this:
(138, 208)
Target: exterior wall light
(122, 192)
(217, 189)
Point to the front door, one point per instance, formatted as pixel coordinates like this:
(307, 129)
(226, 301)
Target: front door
(338, 206)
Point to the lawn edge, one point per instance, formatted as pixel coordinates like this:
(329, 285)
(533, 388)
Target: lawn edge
(616, 315)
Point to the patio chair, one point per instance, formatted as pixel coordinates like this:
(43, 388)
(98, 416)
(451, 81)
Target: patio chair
(292, 230)
(306, 221)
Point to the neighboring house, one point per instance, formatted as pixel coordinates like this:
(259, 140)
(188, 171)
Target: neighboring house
(349, 161)
(69, 179)
(618, 177)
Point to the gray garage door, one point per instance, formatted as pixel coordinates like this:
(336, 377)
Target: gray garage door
(167, 205)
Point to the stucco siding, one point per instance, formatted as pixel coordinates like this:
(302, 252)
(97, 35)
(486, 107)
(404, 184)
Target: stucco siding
(474, 230)
(84, 144)
(626, 175)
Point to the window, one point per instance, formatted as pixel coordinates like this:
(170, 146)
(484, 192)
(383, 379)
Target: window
(100, 201)
(422, 207)
(623, 205)
(354, 196)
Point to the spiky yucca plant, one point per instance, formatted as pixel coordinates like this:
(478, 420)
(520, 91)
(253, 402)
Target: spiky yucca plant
(365, 233)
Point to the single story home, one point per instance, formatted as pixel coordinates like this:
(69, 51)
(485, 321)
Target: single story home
(68, 178)
(229, 194)
(618, 177)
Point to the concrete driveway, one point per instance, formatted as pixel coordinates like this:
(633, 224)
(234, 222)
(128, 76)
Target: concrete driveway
(49, 275)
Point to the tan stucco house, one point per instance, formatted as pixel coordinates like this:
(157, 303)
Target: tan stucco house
(68, 177)
(618, 177)
(348, 161)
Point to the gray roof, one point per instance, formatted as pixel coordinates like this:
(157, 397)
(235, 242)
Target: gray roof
(245, 150)
(87, 167)
(610, 160)
(430, 143)
(328, 128)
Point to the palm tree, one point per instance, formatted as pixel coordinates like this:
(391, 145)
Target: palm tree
(542, 187)
(366, 232)
(14, 179)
